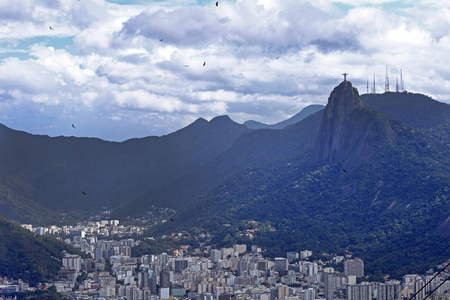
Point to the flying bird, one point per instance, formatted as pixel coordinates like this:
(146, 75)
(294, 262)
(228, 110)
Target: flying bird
(204, 63)
(161, 40)
(344, 170)
(278, 57)
(217, 3)
(83, 193)
(171, 219)
(186, 66)
(74, 126)
(51, 27)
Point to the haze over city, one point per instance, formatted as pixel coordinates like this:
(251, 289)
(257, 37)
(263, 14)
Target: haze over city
(124, 69)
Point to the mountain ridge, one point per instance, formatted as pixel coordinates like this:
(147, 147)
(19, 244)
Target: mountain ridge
(390, 201)
(249, 150)
(108, 172)
(49, 174)
(305, 112)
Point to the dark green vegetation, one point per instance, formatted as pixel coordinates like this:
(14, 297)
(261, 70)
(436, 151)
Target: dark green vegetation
(41, 295)
(386, 207)
(390, 207)
(31, 258)
(416, 110)
(39, 173)
(249, 150)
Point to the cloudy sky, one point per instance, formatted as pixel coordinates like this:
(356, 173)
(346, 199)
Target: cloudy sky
(117, 69)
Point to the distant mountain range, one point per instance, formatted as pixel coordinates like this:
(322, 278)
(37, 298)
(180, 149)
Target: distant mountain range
(309, 110)
(370, 173)
(41, 175)
(370, 185)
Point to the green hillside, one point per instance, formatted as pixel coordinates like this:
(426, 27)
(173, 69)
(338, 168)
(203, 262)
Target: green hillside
(28, 257)
(416, 110)
(386, 208)
(51, 173)
(251, 149)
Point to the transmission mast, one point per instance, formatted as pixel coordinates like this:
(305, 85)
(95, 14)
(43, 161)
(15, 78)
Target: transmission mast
(374, 91)
(401, 81)
(386, 84)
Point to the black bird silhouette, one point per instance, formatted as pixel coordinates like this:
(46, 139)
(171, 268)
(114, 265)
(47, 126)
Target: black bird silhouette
(278, 57)
(161, 40)
(83, 193)
(74, 126)
(344, 170)
(50, 27)
(171, 219)
(204, 63)
(217, 3)
(186, 66)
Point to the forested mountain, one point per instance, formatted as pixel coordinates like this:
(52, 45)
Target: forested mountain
(249, 150)
(28, 257)
(41, 177)
(370, 185)
(416, 110)
(39, 173)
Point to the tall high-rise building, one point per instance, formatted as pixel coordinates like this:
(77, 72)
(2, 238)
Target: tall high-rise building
(305, 253)
(240, 248)
(242, 267)
(215, 255)
(98, 253)
(354, 267)
(359, 292)
(164, 278)
(152, 281)
(291, 256)
(281, 265)
(72, 262)
(283, 292)
(180, 264)
(330, 285)
(309, 294)
(309, 269)
(420, 294)
(163, 258)
(387, 291)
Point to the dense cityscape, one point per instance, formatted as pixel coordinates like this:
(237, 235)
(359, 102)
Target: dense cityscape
(238, 272)
(224, 150)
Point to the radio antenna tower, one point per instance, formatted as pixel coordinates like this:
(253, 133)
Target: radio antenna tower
(401, 81)
(374, 91)
(386, 84)
(367, 84)
(396, 84)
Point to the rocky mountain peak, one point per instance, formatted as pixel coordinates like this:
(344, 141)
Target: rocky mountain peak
(336, 136)
(342, 101)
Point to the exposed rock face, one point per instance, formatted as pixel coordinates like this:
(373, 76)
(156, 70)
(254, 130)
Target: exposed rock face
(349, 132)
(329, 143)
